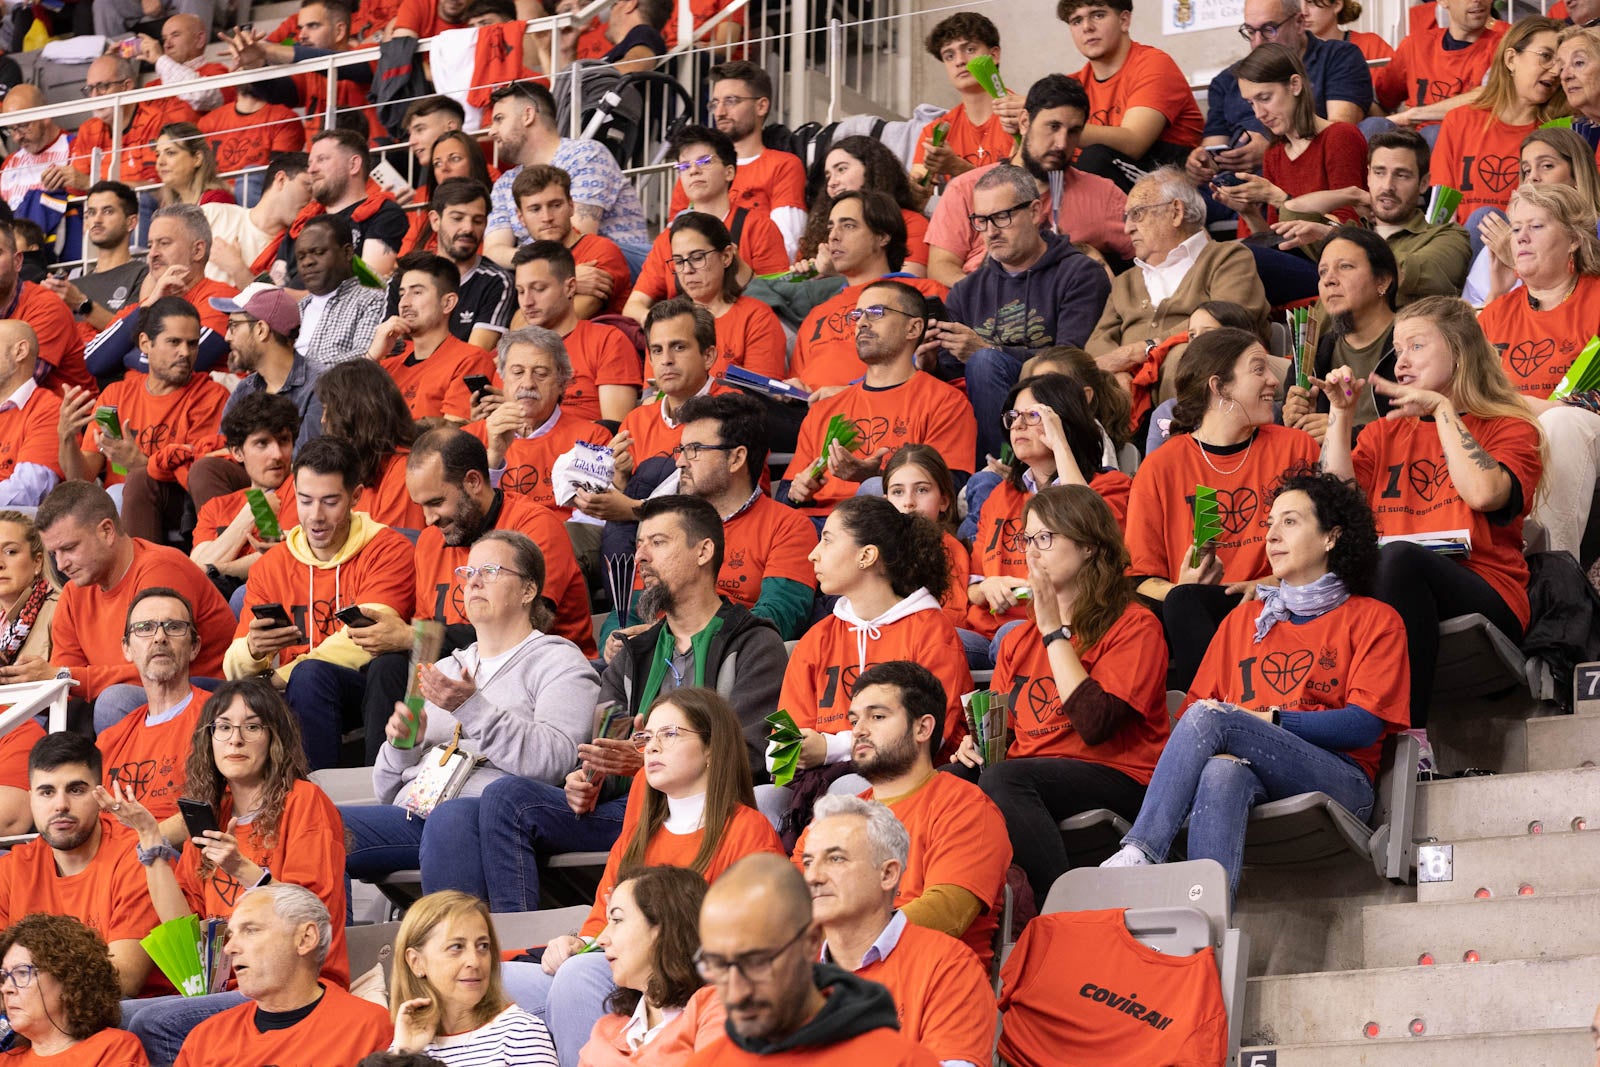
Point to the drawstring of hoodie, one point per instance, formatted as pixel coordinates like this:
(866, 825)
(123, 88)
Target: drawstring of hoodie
(865, 632)
(311, 598)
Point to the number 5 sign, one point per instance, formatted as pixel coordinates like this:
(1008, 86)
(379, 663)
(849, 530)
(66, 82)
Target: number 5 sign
(1266, 1057)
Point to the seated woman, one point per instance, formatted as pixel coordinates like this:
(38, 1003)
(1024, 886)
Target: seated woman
(362, 404)
(1307, 153)
(1086, 679)
(1225, 437)
(1460, 450)
(1108, 403)
(660, 1003)
(1578, 60)
(248, 763)
(518, 698)
(1326, 19)
(705, 262)
(888, 571)
(446, 997)
(63, 1000)
(1539, 332)
(1155, 385)
(27, 604)
(855, 163)
(187, 167)
(692, 806)
(1357, 280)
(454, 155)
(1254, 730)
(917, 480)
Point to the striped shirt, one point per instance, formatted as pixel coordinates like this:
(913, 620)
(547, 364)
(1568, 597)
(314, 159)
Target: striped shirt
(514, 1038)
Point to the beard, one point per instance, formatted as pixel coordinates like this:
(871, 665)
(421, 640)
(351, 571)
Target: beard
(656, 600)
(468, 523)
(889, 761)
(1344, 323)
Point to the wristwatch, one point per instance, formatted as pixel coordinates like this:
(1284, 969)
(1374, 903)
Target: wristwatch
(83, 309)
(1062, 634)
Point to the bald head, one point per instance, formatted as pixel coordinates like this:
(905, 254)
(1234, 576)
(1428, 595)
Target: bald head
(34, 136)
(761, 889)
(21, 97)
(183, 38)
(19, 353)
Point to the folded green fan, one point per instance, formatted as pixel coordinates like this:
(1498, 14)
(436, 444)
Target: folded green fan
(1442, 204)
(987, 71)
(261, 511)
(1303, 339)
(986, 721)
(1584, 374)
(1207, 523)
(174, 946)
(839, 429)
(785, 746)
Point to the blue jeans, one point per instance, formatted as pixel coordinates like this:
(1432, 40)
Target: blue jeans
(1217, 794)
(991, 372)
(115, 703)
(381, 840)
(319, 694)
(570, 1001)
(161, 1023)
(1286, 276)
(977, 490)
(520, 820)
(984, 652)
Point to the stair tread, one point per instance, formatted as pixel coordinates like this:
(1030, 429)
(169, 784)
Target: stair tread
(1440, 969)
(1426, 1039)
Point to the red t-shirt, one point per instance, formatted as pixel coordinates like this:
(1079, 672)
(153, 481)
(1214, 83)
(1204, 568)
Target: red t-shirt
(1336, 158)
(978, 145)
(882, 1047)
(749, 335)
(104, 1048)
(138, 165)
(252, 140)
(28, 433)
(1538, 347)
(1423, 71)
(1401, 464)
(60, 343)
(437, 385)
(1480, 156)
(190, 415)
(825, 344)
(941, 993)
(916, 236)
(1148, 78)
(603, 252)
(149, 760)
(389, 502)
(770, 180)
(760, 245)
(954, 602)
(422, 17)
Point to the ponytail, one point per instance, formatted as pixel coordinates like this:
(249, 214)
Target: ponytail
(911, 547)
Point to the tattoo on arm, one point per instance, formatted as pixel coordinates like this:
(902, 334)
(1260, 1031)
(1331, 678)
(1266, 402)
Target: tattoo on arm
(589, 211)
(1475, 451)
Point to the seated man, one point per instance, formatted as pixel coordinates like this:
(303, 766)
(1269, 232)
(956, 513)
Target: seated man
(259, 433)
(60, 361)
(974, 135)
(249, 132)
(30, 463)
(95, 296)
(416, 347)
(485, 297)
(337, 558)
(319, 28)
(338, 315)
(340, 165)
(83, 863)
(856, 853)
(955, 879)
(278, 939)
(148, 750)
(244, 240)
(114, 73)
(263, 321)
(40, 145)
(1438, 68)
(180, 57)
(426, 18)
(634, 31)
(543, 197)
(105, 568)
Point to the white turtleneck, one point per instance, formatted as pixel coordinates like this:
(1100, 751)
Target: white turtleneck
(685, 814)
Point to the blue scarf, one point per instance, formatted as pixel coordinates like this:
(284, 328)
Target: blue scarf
(1278, 602)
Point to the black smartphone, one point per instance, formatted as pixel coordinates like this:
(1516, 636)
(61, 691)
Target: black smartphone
(273, 612)
(354, 618)
(198, 816)
(476, 384)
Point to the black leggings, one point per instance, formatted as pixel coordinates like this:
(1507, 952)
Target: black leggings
(1425, 588)
(1191, 615)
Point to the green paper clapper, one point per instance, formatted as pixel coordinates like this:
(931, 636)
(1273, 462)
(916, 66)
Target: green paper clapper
(1442, 204)
(839, 429)
(365, 274)
(1303, 338)
(987, 71)
(1207, 523)
(986, 722)
(1584, 374)
(175, 947)
(785, 738)
(266, 520)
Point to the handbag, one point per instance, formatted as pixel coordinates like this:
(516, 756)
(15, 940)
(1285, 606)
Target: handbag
(445, 770)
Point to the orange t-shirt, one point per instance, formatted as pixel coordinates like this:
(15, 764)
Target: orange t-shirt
(881, 1048)
(749, 335)
(920, 410)
(959, 561)
(28, 433)
(150, 760)
(601, 355)
(916, 236)
(978, 145)
(1080, 989)
(653, 436)
(1479, 155)
(765, 540)
(191, 415)
(439, 594)
(746, 832)
(138, 141)
(1160, 524)
(1401, 464)
(602, 252)
(15, 748)
(422, 17)
(760, 245)
(60, 343)
(529, 459)
(699, 1024)
(1422, 71)
(941, 993)
(110, 896)
(307, 849)
(436, 385)
(218, 513)
(825, 344)
(765, 182)
(825, 664)
(1129, 662)
(340, 1029)
(389, 502)
(252, 140)
(1538, 347)
(1148, 78)
(86, 630)
(104, 1048)
(1354, 654)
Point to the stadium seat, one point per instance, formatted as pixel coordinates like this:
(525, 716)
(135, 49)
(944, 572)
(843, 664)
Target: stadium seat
(346, 785)
(524, 929)
(1476, 661)
(370, 944)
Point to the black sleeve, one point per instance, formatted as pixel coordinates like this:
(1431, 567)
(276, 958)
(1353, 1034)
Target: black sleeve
(389, 225)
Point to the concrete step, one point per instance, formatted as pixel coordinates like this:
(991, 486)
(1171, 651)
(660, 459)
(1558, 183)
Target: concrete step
(1556, 742)
(1451, 1000)
(1502, 805)
(1550, 863)
(1501, 928)
(1530, 1048)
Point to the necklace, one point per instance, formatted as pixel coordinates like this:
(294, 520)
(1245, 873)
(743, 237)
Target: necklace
(1207, 457)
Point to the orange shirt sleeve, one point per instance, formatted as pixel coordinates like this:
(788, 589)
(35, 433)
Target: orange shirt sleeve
(954, 603)
(388, 574)
(466, 359)
(800, 694)
(655, 276)
(750, 336)
(761, 244)
(14, 750)
(604, 254)
(617, 361)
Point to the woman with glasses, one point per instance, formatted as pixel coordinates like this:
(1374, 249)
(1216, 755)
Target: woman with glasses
(691, 806)
(518, 699)
(1086, 677)
(662, 1010)
(187, 168)
(454, 155)
(246, 764)
(61, 996)
(1326, 19)
(856, 163)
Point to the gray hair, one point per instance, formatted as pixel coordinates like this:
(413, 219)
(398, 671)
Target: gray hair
(1007, 174)
(888, 836)
(1173, 184)
(127, 69)
(1291, 8)
(297, 905)
(193, 219)
(547, 341)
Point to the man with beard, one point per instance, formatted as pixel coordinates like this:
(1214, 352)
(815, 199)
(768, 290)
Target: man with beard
(447, 476)
(259, 433)
(955, 878)
(96, 296)
(1085, 207)
(416, 348)
(339, 163)
(83, 863)
(338, 315)
(41, 145)
(485, 298)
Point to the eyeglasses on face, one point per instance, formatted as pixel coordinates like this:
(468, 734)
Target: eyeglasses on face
(717, 103)
(692, 451)
(1010, 418)
(1000, 220)
(701, 162)
(692, 263)
(489, 572)
(1267, 31)
(170, 627)
(1041, 540)
(875, 313)
(21, 976)
(754, 966)
(222, 731)
(668, 735)
(102, 88)
(1136, 215)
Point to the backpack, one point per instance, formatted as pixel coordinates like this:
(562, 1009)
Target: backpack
(1564, 626)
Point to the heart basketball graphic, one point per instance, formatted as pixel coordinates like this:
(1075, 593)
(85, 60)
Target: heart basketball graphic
(1441, 89)
(1427, 476)
(1499, 173)
(1528, 356)
(872, 431)
(1236, 508)
(1042, 700)
(1284, 671)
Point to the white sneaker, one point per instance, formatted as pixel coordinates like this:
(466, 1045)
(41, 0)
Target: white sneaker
(1128, 856)
(1426, 769)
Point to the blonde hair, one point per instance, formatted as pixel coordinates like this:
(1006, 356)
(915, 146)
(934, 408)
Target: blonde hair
(1499, 93)
(1479, 380)
(422, 919)
(1567, 206)
(205, 178)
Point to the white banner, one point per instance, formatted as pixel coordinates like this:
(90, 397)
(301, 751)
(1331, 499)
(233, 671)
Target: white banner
(1186, 16)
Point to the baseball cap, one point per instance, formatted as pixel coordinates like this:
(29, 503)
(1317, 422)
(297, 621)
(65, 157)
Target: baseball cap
(267, 303)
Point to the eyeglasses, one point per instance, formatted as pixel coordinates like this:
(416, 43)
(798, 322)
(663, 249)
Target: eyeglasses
(1267, 31)
(754, 966)
(691, 452)
(1136, 215)
(21, 975)
(170, 627)
(999, 220)
(693, 263)
(102, 88)
(717, 103)
(489, 572)
(691, 164)
(875, 313)
(1546, 58)
(521, 89)
(1010, 418)
(222, 731)
(1041, 540)
(667, 734)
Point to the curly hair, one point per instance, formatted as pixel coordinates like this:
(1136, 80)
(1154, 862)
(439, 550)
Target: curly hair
(669, 898)
(911, 547)
(1342, 509)
(883, 171)
(78, 959)
(286, 757)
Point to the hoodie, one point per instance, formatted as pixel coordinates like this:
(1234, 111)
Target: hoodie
(855, 1009)
(825, 664)
(374, 569)
(1057, 301)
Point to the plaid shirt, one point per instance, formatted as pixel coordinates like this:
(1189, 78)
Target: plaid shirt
(347, 325)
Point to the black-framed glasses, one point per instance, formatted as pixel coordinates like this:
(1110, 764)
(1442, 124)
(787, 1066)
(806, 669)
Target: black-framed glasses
(21, 976)
(755, 966)
(489, 572)
(693, 450)
(249, 730)
(1267, 31)
(1136, 215)
(668, 735)
(101, 88)
(1010, 418)
(170, 627)
(875, 313)
(1041, 540)
(686, 165)
(693, 263)
(1000, 220)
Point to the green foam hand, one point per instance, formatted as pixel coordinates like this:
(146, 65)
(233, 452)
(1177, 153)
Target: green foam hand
(1207, 523)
